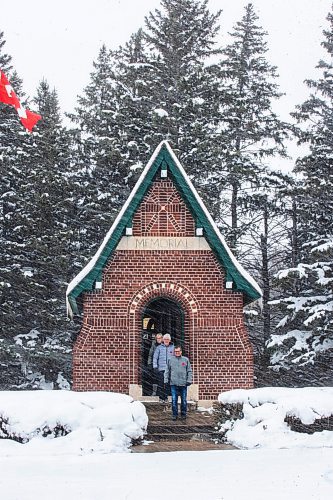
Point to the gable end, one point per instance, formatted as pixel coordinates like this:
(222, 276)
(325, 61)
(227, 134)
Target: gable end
(163, 160)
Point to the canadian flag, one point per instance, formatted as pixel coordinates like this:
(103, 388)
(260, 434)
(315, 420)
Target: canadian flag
(8, 96)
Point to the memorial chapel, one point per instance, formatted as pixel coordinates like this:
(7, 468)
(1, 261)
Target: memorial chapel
(163, 267)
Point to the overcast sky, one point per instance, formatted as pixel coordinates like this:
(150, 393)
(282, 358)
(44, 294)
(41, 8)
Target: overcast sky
(59, 40)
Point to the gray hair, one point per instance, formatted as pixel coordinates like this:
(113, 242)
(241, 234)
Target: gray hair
(167, 336)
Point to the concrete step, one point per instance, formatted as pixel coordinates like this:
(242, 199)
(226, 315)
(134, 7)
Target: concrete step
(198, 426)
(175, 426)
(190, 436)
(163, 414)
(152, 403)
(194, 427)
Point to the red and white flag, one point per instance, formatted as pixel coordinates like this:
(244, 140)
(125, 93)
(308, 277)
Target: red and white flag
(8, 96)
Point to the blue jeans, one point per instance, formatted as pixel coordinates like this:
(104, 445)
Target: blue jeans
(179, 390)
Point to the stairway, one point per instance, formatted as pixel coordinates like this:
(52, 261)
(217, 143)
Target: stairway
(197, 432)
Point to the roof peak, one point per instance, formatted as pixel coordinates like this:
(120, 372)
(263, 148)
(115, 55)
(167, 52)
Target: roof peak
(85, 280)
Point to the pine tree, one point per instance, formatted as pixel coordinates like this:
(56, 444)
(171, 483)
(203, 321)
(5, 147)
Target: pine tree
(49, 209)
(20, 298)
(307, 328)
(155, 87)
(99, 176)
(263, 252)
(15, 148)
(250, 132)
(8, 124)
(165, 88)
(37, 333)
(133, 88)
(5, 59)
(182, 39)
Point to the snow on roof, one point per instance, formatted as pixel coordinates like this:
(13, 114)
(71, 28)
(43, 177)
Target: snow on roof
(92, 263)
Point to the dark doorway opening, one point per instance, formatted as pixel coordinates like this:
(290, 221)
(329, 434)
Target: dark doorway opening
(161, 315)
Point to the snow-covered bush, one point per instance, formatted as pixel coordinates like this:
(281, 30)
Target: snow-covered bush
(81, 422)
(263, 419)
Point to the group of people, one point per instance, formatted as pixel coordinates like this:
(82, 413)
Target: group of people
(171, 371)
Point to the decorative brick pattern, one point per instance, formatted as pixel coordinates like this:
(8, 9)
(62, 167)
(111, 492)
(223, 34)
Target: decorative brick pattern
(163, 213)
(107, 351)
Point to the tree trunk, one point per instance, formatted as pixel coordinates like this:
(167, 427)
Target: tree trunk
(265, 278)
(234, 218)
(294, 235)
(294, 242)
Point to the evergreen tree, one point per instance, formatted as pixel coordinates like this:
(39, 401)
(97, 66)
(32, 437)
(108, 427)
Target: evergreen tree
(165, 89)
(21, 298)
(264, 250)
(307, 328)
(49, 210)
(8, 124)
(182, 39)
(134, 84)
(35, 316)
(250, 132)
(15, 148)
(155, 87)
(99, 177)
(5, 59)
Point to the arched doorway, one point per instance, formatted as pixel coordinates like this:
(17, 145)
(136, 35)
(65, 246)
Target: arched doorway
(160, 315)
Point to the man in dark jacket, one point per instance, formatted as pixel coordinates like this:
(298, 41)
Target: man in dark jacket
(178, 373)
(156, 342)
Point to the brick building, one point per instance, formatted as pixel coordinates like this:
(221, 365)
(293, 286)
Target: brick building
(163, 266)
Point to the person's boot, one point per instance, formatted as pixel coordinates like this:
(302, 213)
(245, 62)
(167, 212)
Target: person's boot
(154, 393)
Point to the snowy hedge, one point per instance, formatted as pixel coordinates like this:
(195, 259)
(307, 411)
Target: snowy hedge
(259, 417)
(82, 422)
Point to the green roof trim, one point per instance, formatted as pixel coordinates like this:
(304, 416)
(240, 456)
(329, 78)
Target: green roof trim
(163, 158)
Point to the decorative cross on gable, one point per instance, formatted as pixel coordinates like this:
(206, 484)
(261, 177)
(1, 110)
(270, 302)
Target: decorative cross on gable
(163, 207)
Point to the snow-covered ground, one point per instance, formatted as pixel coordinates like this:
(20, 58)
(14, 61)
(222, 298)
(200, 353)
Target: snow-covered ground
(208, 475)
(82, 465)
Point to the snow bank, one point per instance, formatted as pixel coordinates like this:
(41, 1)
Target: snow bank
(84, 421)
(265, 409)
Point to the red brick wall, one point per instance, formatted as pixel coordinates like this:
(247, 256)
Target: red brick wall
(107, 351)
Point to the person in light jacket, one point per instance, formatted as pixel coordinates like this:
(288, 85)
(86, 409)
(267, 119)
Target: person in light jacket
(178, 373)
(162, 354)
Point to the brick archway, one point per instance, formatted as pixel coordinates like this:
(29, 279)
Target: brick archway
(172, 290)
(165, 289)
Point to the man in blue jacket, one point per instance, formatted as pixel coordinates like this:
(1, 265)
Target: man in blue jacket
(162, 354)
(178, 373)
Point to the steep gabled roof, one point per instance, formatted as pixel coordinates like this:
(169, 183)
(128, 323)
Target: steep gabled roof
(163, 158)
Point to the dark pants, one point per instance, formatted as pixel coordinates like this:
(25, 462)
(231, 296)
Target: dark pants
(163, 390)
(179, 390)
(150, 379)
